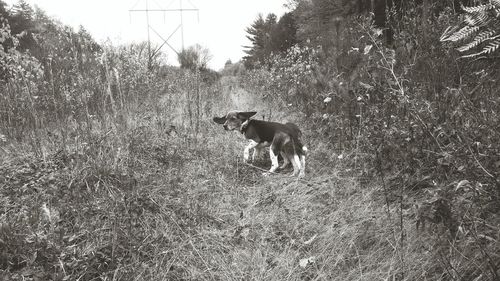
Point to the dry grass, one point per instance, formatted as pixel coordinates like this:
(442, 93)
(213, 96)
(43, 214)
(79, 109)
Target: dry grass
(144, 204)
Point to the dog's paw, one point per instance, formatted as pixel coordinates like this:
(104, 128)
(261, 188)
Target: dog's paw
(297, 174)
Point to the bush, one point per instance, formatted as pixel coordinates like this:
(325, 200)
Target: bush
(414, 116)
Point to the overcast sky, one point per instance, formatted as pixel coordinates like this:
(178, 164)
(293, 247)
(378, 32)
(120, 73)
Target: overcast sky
(219, 25)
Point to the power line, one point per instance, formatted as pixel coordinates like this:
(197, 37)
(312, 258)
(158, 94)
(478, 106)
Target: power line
(180, 10)
(162, 10)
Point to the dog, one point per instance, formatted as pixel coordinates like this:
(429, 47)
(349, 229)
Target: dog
(283, 139)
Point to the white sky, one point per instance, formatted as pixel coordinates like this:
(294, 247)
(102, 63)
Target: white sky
(219, 26)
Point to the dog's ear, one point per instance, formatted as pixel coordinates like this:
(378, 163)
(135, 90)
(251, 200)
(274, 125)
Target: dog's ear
(220, 120)
(246, 115)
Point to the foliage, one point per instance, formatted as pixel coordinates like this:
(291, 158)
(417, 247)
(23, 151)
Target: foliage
(68, 81)
(319, 20)
(15, 65)
(283, 35)
(479, 32)
(81, 124)
(411, 116)
(194, 57)
(21, 19)
(233, 69)
(290, 79)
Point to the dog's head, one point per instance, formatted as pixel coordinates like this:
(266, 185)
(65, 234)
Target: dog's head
(234, 119)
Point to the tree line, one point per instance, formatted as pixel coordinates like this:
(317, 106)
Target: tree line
(318, 22)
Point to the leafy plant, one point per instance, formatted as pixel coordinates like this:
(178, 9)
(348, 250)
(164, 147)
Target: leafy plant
(13, 63)
(479, 32)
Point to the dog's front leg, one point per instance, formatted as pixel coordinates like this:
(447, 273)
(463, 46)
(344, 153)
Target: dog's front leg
(256, 153)
(246, 152)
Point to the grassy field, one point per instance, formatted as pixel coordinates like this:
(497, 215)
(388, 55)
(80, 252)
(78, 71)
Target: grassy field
(111, 167)
(144, 202)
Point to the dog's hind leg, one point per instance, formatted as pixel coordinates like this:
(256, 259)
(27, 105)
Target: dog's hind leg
(302, 172)
(285, 160)
(303, 162)
(297, 169)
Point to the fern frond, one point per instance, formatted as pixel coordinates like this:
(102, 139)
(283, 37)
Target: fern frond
(477, 19)
(477, 9)
(495, 3)
(489, 49)
(462, 34)
(472, 55)
(480, 38)
(496, 8)
(492, 46)
(480, 30)
(447, 33)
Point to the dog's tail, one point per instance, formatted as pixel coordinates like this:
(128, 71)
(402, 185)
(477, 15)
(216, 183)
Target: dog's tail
(301, 149)
(296, 136)
(298, 147)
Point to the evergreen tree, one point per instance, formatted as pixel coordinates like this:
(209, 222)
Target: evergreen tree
(3, 10)
(284, 35)
(269, 36)
(22, 24)
(257, 36)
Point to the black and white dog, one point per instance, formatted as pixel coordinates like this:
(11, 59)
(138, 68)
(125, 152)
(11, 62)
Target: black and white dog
(283, 139)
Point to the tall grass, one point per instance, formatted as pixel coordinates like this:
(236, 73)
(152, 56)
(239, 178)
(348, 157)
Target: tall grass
(111, 171)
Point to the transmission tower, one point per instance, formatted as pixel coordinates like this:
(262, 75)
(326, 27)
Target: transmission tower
(179, 10)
